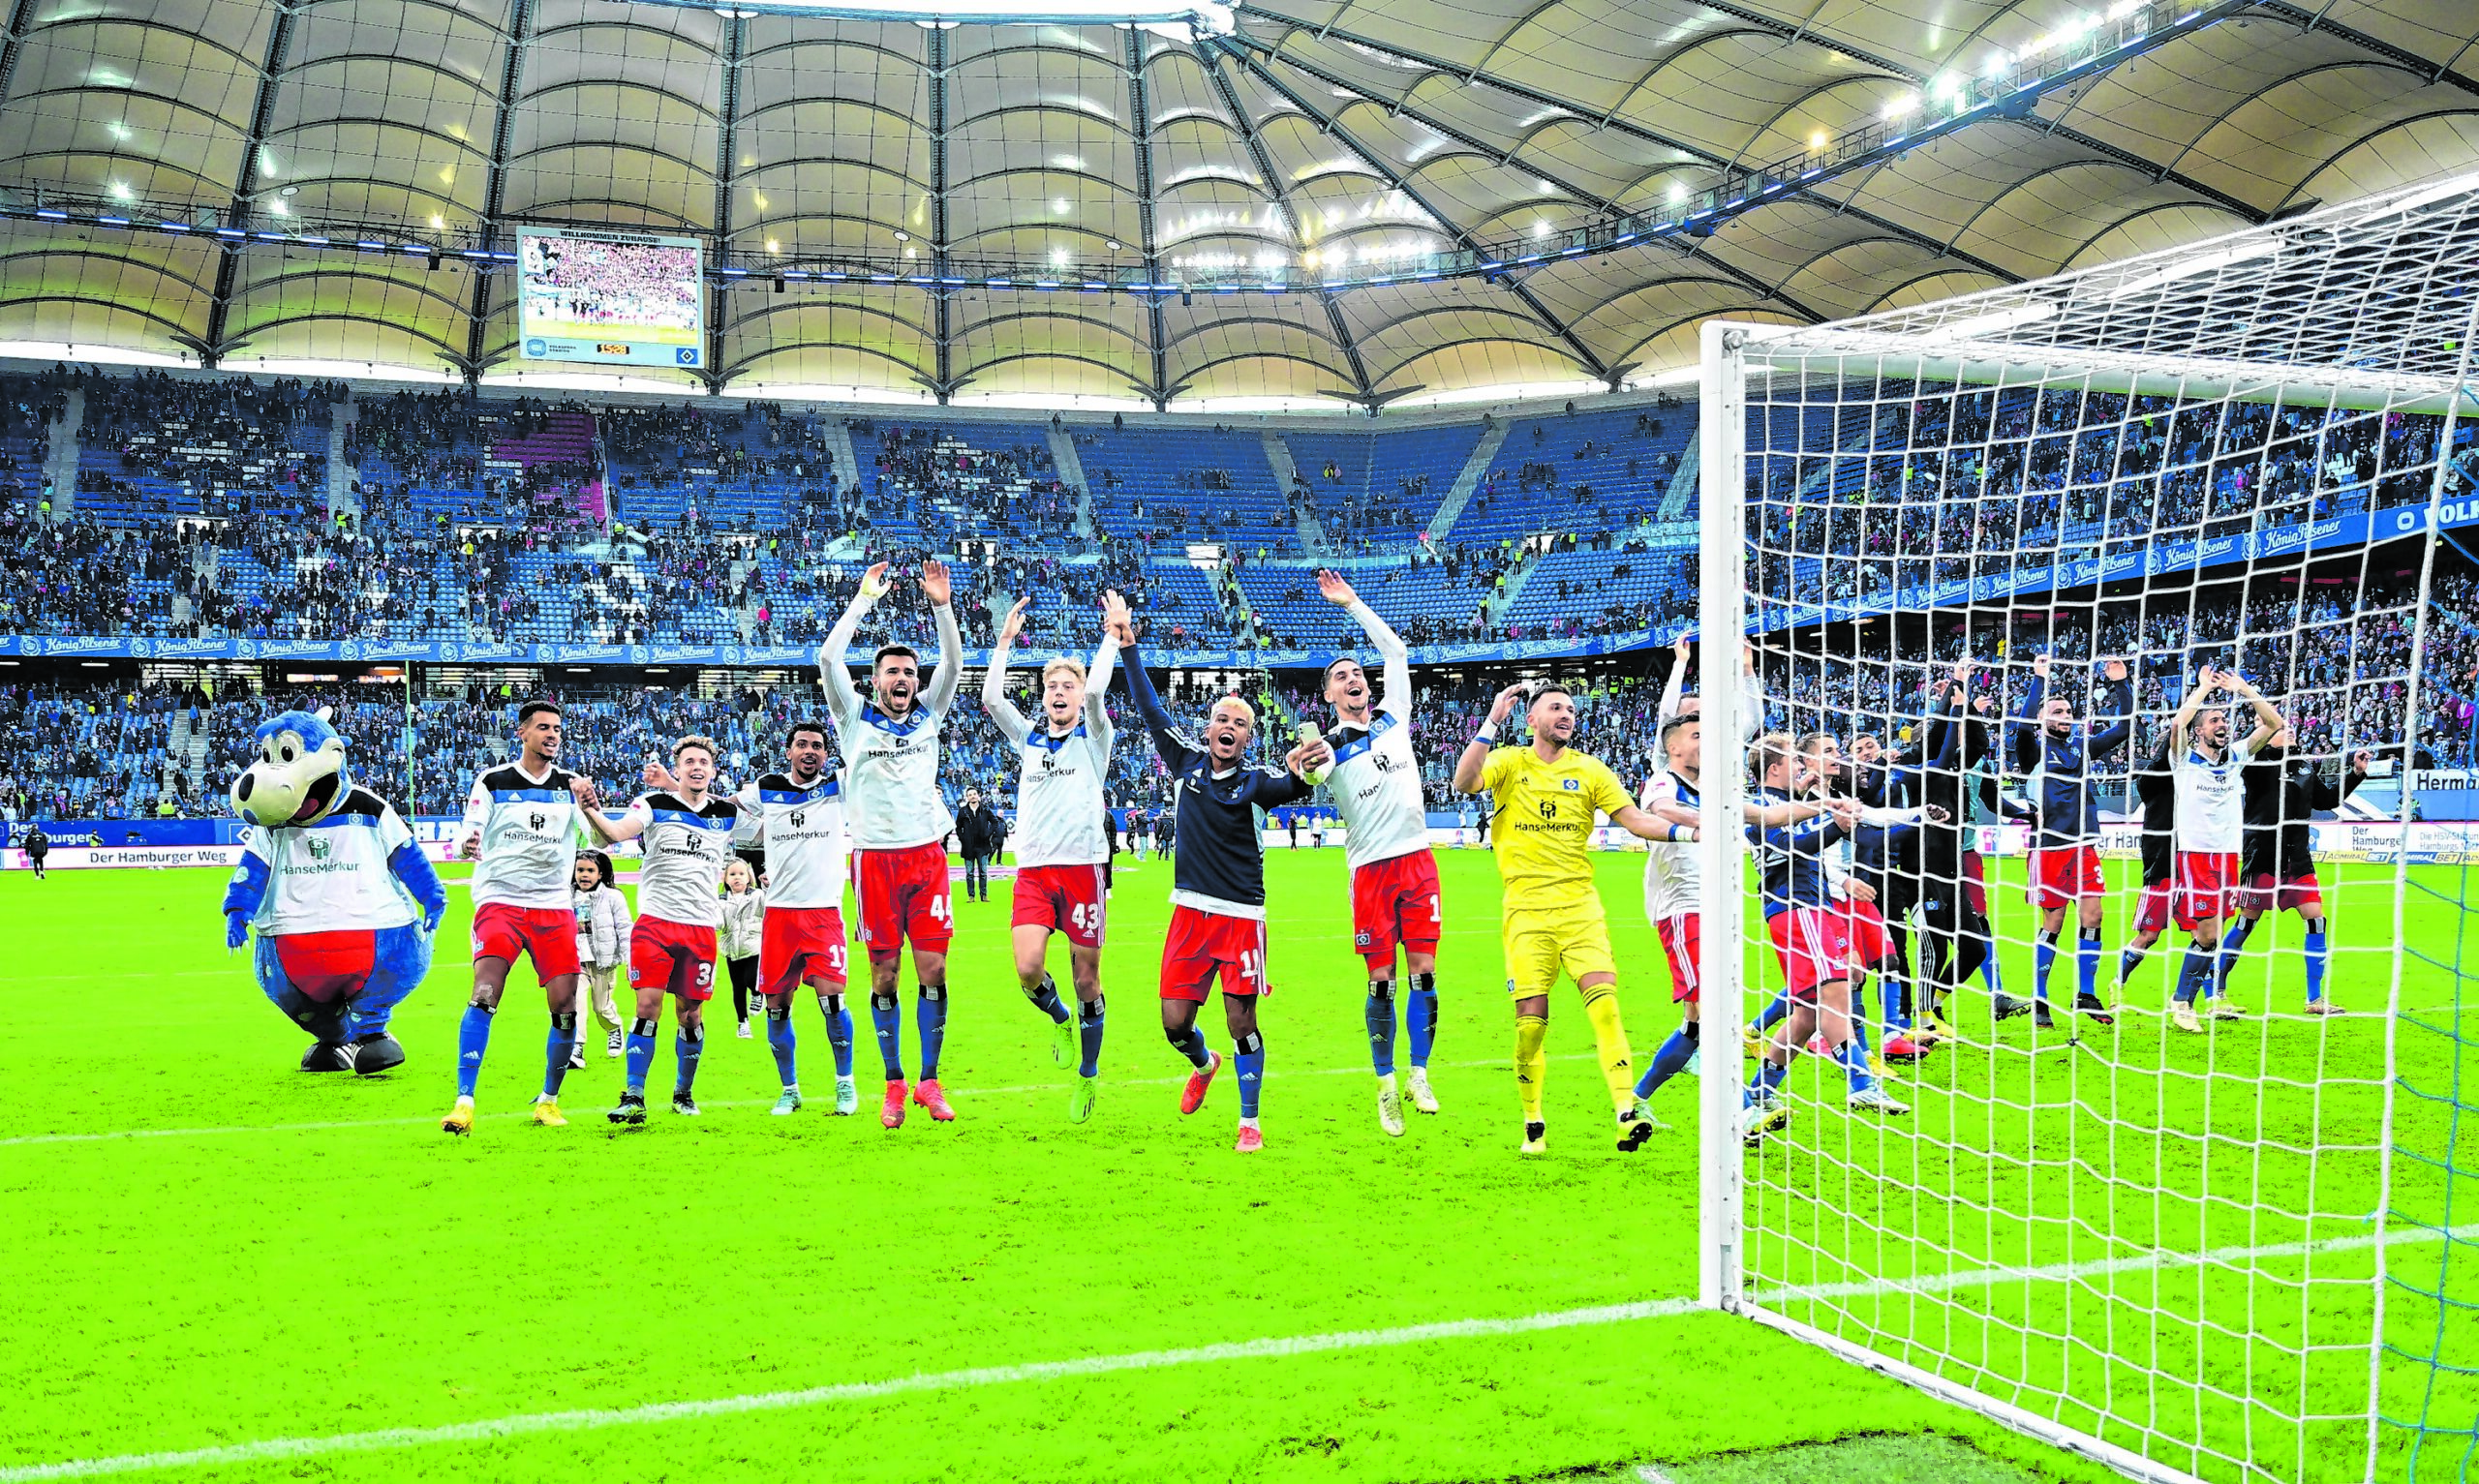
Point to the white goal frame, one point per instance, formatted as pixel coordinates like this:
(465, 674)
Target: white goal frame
(1977, 340)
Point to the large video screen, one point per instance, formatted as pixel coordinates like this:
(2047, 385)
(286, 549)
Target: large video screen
(609, 298)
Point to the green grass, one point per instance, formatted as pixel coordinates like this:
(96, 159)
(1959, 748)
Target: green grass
(273, 1256)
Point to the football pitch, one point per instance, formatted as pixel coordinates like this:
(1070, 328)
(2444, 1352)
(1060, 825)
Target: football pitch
(217, 1266)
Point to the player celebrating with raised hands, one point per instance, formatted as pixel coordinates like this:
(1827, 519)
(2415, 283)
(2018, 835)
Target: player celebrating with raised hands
(1061, 848)
(2059, 754)
(899, 823)
(2208, 767)
(1218, 883)
(686, 835)
(1376, 786)
(1546, 796)
(520, 831)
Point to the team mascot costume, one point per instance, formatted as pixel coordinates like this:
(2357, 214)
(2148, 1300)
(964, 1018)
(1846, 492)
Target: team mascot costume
(343, 899)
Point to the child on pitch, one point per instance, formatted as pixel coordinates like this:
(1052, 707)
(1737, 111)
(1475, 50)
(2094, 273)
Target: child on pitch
(738, 935)
(602, 946)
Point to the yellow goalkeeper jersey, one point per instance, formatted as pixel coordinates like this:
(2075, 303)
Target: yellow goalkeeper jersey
(1542, 826)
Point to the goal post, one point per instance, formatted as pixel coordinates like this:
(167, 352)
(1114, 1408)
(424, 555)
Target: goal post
(2142, 1193)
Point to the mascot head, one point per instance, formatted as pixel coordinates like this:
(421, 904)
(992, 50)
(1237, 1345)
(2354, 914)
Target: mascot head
(298, 775)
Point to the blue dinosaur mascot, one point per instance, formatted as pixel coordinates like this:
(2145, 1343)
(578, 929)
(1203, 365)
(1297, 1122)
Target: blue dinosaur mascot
(343, 898)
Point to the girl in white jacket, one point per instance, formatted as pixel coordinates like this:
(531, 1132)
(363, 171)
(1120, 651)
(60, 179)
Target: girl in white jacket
(742, 930)
(602, 944)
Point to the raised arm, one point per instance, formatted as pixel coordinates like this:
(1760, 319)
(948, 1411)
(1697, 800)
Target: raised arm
(1010, 721)
(2022, 728)
(2268, 717)
(1174, 753)
(1106, 658)
(2121, 711)
(1469, 767)
(2184, 719)
(1675, 687)
(1392, 653)
(938, 587)
(843, 701)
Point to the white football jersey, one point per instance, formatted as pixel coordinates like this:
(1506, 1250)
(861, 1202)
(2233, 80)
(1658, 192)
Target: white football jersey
(686, 852)
(803, 834)
(1375, 782)
(332, 876)
(1060, 780)
(890, 770)
(529, 837)
(2211, 800)
(1674, 876)
(891, 796)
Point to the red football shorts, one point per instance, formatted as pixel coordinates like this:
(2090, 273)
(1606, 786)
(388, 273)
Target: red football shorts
(676, 957)
(1975, 881)
(1814, 946)
(800, 943)
(2207, 887)
(326, 966)
(2152, 912)
(2064, 875)
(548, 933)
(903, 895)
(2302, 895)
(1203, 946)
(1396, 901)
(1683, 942)
(1865, 926)
(1061, 898)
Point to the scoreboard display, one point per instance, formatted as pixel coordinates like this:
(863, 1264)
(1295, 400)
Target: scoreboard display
(610, 297)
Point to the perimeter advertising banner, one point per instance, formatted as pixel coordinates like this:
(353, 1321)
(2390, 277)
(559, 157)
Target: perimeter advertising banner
(610, 297)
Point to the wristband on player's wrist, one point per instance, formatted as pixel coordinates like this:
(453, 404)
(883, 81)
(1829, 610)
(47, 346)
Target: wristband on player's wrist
(1489, 733)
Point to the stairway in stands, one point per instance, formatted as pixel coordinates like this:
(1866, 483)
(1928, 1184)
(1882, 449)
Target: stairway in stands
(565, 438)
(1475, 468)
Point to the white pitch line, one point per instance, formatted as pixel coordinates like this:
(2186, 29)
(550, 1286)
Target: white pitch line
(526, 1423)
(522, 1112)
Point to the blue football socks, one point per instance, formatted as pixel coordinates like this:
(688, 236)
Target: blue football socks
(473, 1039)
(1088, 1036)
(886, 1017)
(2318, 953)
(1420, 1017)
(779, 1041)
(1250, 1055)
(641, 1054)
(2044, 958)
(1669, 1061)
(689, 1047)
(562, 1045)
(1379, 1014)
(932, 1025)
(839, 1031)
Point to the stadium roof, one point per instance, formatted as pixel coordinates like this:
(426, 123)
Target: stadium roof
(1188, 147)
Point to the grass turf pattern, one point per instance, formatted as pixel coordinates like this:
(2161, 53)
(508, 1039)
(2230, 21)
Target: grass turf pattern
(324, 1263)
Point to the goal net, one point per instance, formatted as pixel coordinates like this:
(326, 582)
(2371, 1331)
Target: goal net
(2103, 1079)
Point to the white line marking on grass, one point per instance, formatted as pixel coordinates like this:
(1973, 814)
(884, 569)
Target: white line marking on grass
(525, 1111)
(1650, 1474)
(527, 1423)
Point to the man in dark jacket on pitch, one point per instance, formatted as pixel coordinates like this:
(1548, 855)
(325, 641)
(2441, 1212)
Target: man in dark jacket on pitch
(979, 833)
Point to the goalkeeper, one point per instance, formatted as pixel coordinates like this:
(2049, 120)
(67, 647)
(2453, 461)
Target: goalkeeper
(1545, 797)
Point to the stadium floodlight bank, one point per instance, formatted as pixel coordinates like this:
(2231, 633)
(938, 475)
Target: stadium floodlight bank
(2217, 1251)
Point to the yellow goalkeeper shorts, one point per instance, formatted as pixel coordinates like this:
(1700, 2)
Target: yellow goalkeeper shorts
(1541, 943)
